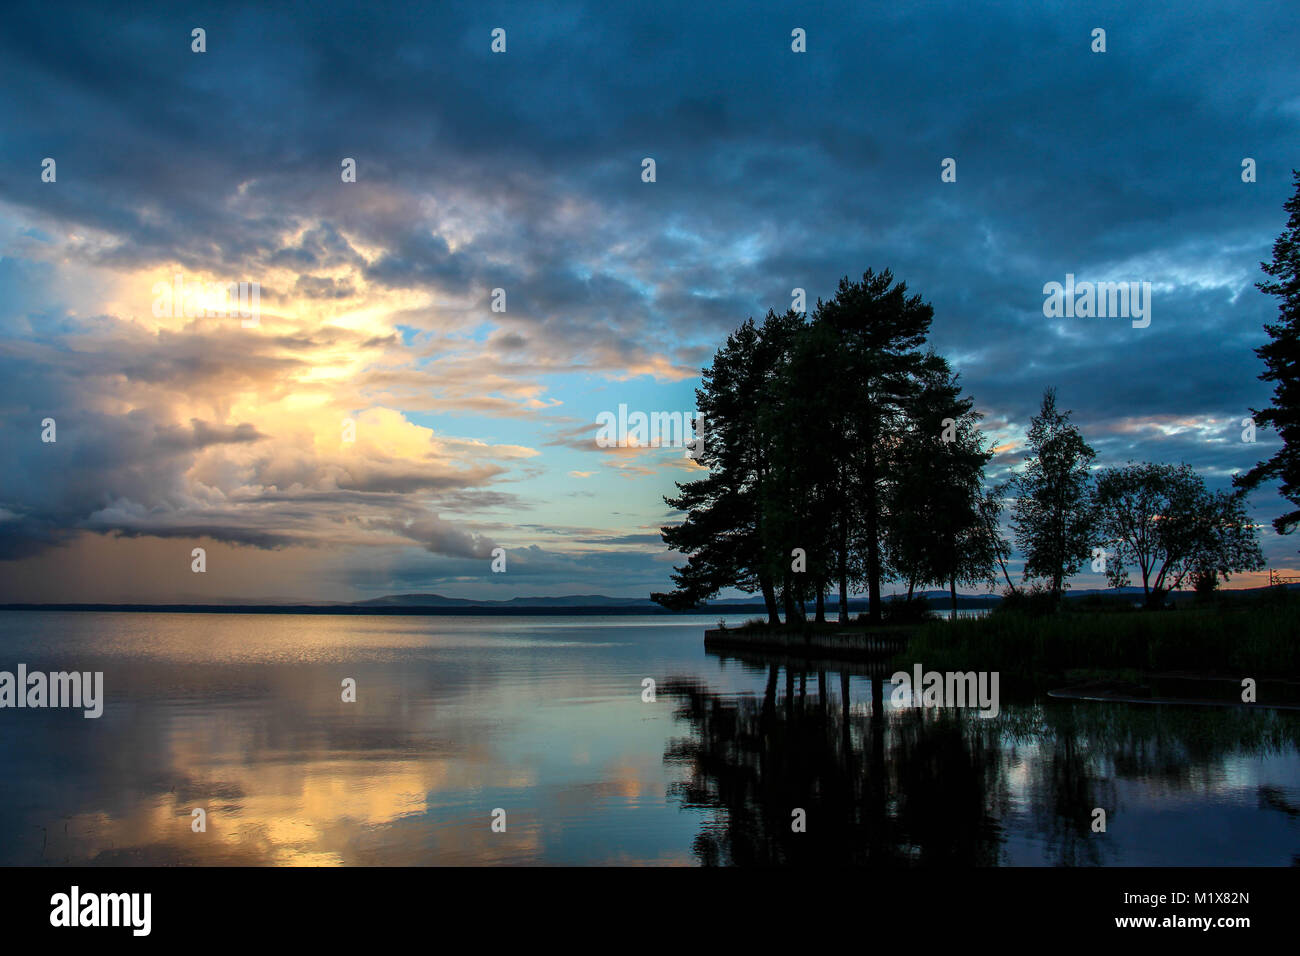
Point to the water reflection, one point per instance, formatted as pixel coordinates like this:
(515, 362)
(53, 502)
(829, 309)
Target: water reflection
(243, 716)
(887, 786)
(544, 718)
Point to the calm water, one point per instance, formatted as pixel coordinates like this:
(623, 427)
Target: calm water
(543, 717)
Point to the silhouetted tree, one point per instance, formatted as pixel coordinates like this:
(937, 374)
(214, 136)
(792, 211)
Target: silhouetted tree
(880, 331)
(990, 509)
(1281, 358)
(782, 401)
(829, 443)
(840, 438)
(1052, 515)
(936, 531)
(722, 533)
(1164, 520)
(811, 423)
(1228, 542)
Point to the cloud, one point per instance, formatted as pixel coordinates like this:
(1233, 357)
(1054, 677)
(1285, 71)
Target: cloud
(522, 172)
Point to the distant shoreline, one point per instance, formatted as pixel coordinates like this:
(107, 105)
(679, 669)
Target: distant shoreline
(938, 604)
(367, 611)
(747, 610)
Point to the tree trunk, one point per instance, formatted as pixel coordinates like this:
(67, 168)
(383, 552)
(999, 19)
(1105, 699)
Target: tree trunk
(821, 604)
(952, 589)
(793, 611)
(996, 538)
(872, 495)
(844, 588)
(1058, 570)
(844, 547)
(769, 599)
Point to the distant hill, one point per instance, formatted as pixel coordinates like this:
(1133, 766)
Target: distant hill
(938, 599)
(751, 605)
(568, 600)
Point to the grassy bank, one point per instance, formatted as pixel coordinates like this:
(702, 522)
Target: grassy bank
(1252, 640)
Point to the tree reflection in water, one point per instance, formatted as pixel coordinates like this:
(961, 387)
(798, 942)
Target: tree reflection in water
(886, 786)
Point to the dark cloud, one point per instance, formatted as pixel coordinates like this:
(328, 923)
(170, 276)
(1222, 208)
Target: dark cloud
(200, 435)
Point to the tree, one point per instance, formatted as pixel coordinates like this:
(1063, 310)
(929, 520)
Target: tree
(1227, 544)
(783, 399)
(716, 535)
(827, 392)
(936, 530)
(826, 439)
(722, 533)
(1164, 520)
(879, 329)
(810, 420)
(1052, 515)
(990, 510)
(1281, 358)
(971, 553)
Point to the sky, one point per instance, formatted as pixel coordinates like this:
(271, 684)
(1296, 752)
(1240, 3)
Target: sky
(474, 429)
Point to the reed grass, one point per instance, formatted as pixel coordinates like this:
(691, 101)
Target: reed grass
(1261, 640)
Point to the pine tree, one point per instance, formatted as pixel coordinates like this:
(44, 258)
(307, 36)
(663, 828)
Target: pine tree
(722, 533)
(880, 330)
(1281, 358)
(936, 530)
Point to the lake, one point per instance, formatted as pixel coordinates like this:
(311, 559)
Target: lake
(543, 718)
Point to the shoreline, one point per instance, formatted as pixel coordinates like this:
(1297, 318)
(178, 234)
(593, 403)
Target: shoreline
(855, 642)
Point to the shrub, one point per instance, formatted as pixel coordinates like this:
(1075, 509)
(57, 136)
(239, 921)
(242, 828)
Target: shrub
(902, 610)
(1115, 603)
(1037, 601)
